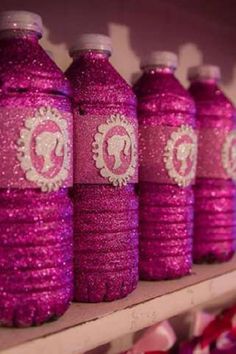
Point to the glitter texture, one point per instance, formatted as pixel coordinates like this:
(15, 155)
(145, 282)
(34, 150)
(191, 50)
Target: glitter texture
(214, 227)
(166, 210)
(106, 217)
(36, 228)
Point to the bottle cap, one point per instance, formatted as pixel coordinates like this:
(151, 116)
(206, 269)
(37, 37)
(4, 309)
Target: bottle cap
(202, 72)
(22, 20)
(160, 58)
(90, 41)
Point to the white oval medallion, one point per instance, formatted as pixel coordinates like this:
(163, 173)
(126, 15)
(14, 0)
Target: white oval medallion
(43, 149)
(180, 155)
(115, 150)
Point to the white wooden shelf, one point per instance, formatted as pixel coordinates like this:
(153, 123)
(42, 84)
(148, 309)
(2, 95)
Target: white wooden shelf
(86, 326)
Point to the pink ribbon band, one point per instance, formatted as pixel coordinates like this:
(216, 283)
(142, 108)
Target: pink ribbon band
(216, 153)
(168, 154)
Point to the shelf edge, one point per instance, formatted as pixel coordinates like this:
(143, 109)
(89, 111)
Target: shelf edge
(99, 331)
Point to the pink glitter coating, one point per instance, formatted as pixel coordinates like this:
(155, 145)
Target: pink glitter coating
(166, 210)
(36, 228)
(161, 268)
(214, 226)
(106, 217)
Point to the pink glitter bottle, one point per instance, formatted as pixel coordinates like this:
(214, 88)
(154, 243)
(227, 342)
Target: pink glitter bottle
(167, 168)
(105, 201)
(35, 173)
(215, 223)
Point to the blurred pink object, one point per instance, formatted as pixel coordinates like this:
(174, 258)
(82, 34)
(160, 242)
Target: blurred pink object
(201, 321)
(158, 338)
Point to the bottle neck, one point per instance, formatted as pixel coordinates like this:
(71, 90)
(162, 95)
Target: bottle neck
(205, 81)
(20, 34)
(91, 55)
(159, 69)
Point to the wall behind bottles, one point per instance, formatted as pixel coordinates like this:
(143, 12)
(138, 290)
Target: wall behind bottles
(197, 30)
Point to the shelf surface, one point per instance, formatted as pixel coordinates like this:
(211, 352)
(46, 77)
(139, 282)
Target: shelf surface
(86, 326)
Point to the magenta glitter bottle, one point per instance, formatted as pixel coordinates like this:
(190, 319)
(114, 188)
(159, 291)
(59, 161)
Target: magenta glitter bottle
(36, 280)
(215, 223)
(105, 201)
(167, 168)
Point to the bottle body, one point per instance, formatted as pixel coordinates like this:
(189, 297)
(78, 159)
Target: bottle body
(166, 122)
(214, 228)
(105, 208)
(35, 208)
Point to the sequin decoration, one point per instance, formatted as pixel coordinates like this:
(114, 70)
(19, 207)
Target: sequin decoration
(166, 208)
(36, 277)
(105, 216)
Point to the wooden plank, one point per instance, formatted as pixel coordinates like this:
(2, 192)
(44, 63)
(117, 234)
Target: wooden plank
(86, 326)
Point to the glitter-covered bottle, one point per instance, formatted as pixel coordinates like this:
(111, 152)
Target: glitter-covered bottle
(105, 173)
(167, 168)
(215, 223)
(36, 279)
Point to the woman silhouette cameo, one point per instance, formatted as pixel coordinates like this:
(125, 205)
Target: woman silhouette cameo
(46, 143)
(117, 144)
(185, 151)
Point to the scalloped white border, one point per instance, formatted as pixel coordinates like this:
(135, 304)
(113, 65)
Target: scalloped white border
(23, 149)
(181, 181)
(225, 155)
(97, 148)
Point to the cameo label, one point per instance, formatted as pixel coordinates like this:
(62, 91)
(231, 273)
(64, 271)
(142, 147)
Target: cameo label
(115, 150)
(228, 155)
(180, 155)
(43, 149)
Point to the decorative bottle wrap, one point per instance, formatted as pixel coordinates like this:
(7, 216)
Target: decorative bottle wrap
(105, 207)
(106, 150)
(215, 192)
(37, 148)
(168, 154)
(105, 197)
(217, 153)
(36, 228)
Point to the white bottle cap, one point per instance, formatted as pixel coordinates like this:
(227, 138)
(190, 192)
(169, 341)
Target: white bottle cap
(22, 20)
(204, 72)
(90, 41)
(160, 58)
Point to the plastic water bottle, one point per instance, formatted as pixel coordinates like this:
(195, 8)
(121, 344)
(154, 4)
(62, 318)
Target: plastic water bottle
(106, 205)
(35, 173)
(168, 142)
(215, 223)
